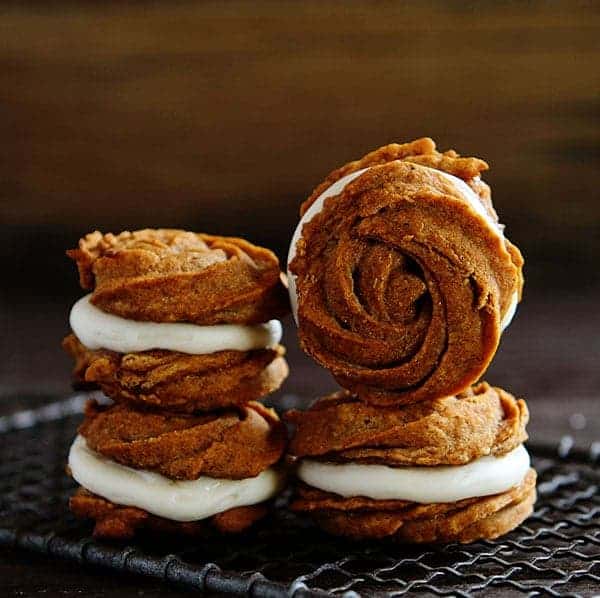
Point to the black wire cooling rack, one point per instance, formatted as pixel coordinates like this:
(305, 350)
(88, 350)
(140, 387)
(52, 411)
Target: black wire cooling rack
(555, 553)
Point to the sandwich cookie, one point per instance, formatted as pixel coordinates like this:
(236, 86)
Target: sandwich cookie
(182, 473)
(400, 275)
(177, 320)
(450, 469)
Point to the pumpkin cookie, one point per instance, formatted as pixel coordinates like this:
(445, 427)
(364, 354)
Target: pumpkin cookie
(180, 331)
(177, 320)
(175, 472)
(122, 523)
(168, 275)
(178, 381)
(462, 521)
(451, 431)
(231, 444)
(400, 274)
(450, 469)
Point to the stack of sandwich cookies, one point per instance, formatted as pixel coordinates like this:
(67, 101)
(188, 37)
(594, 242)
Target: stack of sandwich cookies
(402, 281)
(180, 331)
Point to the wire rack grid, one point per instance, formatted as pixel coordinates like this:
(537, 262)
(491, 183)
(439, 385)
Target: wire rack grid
(555, 553)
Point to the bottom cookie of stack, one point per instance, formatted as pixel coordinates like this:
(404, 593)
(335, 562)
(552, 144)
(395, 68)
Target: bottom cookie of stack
(177, 473)
(452, 469)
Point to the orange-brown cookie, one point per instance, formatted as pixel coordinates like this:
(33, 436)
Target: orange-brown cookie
(179, 381)
(449, 431)
(168, 275)
(233, 444)
(463, 521)
(404, 280)
(118, 522)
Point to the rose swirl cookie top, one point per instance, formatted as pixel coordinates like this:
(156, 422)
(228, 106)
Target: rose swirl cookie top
(401, 274)
(169, 275)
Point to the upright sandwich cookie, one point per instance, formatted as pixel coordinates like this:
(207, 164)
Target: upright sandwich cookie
(450, 469)
(400, 274)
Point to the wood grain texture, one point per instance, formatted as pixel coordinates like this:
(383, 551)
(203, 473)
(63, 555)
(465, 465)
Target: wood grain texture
(225, 115)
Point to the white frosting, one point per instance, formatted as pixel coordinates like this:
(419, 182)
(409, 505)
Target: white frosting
(314, 209)
(510, 313)
(473, 200)
(97, 329)
(317, 206)
(447, 483)
(172, 499)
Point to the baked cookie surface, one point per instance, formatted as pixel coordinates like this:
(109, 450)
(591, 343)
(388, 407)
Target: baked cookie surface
(402, 276)
(450, 469)
(231, 444)
(178, 381)
(451, 431)
(119, 522)
(464, 521)
(169, 275)
(181, 332)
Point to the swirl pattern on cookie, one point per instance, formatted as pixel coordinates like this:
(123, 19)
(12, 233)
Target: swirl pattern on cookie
(184, 474)
(234, 444)
(482, 421)
(462, 521)
(120, 522)
(168, 275)
(451, 469)
(402, 275)
(177, 320)
(178, 381)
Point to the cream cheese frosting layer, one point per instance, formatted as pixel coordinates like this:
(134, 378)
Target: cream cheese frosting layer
(187, 500)
(312, 211)
(97, 329)
(338, 187)
(448, 483)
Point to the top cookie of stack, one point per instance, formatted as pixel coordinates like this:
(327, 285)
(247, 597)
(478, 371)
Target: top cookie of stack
(401, 278)
(177, 320)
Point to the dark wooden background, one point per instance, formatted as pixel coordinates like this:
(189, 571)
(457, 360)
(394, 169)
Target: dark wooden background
(222, 117)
